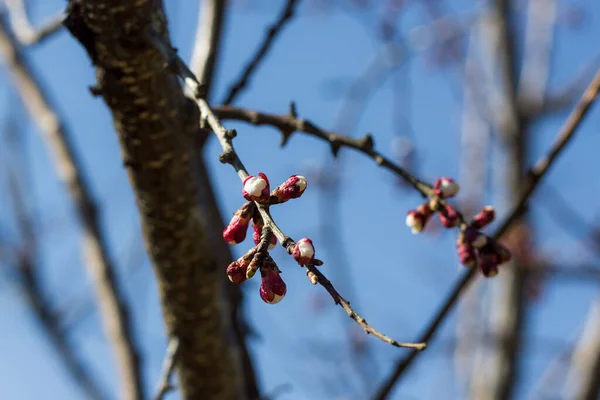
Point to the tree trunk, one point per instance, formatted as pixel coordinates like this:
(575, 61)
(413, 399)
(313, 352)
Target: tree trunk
(158, 128)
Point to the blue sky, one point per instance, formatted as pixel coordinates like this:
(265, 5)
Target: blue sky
(398, 279)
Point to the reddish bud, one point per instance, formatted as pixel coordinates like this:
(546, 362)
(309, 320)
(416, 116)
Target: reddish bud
(292, 188)
(236, 272)
(448, 216)
(272, 288)
(445, 188)
(466, 254)
(235, 232)
(417, 219)
(488, 263)
(304, 251)
(256, 188)
(484, 217)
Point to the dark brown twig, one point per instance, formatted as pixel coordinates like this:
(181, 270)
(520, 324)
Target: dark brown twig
(284, 18)
(230, 156)
(534, 177)
(290, 123)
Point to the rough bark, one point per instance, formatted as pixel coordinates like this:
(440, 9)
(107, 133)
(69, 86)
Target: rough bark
(157, 128)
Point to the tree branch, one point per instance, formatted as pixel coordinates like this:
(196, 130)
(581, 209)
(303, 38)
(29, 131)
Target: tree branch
(113, 308)
(164, 383)
(229, 156)
(284, 18)
(534, 177)
(24, 32)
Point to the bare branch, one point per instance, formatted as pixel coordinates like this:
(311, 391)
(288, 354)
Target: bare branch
(26, 34)
(113, 308)
(290, 123)
(284, 18)
(534, 177)
(209, 32)
(229, 156)
(164, 383)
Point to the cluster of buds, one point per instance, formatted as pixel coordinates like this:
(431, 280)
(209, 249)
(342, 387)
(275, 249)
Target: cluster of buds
(472, 244)
(444, 188)
(256, 189)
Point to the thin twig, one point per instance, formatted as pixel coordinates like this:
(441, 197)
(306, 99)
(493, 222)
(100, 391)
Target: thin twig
(230, 156)
(25, 33)
(164, 383)
(112, 304)
(534, 177)
(287, 124)
(285, 17)
(209, 36)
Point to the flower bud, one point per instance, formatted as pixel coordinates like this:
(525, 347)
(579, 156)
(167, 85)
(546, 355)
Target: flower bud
(466, 254)
(236, 272)
(256, 188)
(488, 263)
(272, 288)
(304, 251)
(235, 232)
(417, 219)
(445, 188)
(292, 188)
(448, 216)
(484, 217)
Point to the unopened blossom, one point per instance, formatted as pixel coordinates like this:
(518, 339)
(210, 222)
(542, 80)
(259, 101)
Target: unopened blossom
(417, 219)
(256, 188)
(445, 188)
(304, 251)
(448, 216)
(236, 272)
(235, 231)
(292, 188)
(272, 288)
(484, 217)
(466, 254)
(488, 263)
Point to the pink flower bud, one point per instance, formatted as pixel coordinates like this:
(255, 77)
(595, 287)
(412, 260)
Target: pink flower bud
(415, 221)
(272, 288)
(445, 188)
(448, 216)
(484, 217)
(236, 272)
(235, 232)
(292, 188)
(304, 251)
(256, 188)
(488, 263)
(466, 254)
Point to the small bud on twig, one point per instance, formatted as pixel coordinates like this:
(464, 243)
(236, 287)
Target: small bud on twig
(256, 188)
(304, 251)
